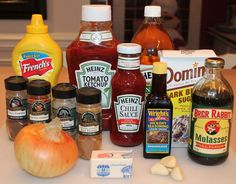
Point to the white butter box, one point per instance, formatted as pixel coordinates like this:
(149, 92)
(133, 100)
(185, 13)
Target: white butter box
(111, 164)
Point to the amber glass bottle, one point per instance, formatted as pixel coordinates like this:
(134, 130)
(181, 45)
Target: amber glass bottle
(211, 116)
(152, 37)
(158, 116)
(92, 56)
(128, 93)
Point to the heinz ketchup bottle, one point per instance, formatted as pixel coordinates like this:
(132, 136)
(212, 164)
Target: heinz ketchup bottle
(128, 93)
(92, 56)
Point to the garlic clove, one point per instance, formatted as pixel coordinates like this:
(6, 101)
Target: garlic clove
(159, 169)
(177, 174)
(169, 161)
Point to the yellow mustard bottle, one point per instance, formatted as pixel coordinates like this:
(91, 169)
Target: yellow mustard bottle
(37, 55)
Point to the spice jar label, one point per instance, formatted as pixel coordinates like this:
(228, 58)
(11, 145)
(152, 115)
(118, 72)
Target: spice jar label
(98, 74)
(128, 110)
(16, 108)
(67, 117)
(40, 111)
(89, 123)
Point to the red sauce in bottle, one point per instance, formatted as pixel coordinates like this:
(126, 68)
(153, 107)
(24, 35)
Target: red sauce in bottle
(92, 57)
(128, 93)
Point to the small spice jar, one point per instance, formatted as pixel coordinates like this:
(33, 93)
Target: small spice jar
(16, 104)
(39, 101)
(64, 107)
(89, 121)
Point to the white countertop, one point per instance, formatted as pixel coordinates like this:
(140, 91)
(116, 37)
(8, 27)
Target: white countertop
(11, 173)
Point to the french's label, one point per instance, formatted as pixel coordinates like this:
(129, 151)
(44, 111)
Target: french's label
(95, 37)
(210, 131)
(128, 110)
(158, 127)
(98, 74)
(35, 64)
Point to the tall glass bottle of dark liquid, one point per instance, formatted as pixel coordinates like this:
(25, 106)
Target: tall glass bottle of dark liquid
(211, 116)
(158, 116)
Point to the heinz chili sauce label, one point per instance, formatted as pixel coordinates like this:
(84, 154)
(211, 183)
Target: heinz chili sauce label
(128, 110)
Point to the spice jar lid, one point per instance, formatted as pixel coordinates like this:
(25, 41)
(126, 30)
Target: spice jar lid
(64, 91)
(15, 83)
(38, 87)
(88, 95)
(214, 62)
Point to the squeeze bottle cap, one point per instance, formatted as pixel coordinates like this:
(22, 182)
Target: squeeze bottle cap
(96, 13)
(129, 48)
(159, 68)
(152, 11)
(37, 25)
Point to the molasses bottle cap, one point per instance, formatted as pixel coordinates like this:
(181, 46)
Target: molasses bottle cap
(159, 68)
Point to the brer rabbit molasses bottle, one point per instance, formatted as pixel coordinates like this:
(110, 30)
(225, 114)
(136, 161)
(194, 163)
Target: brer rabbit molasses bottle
(211, 116)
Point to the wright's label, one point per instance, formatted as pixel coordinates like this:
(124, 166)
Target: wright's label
(98, 74)
(210, 131)
(158, 128)
(35, 64)
(128, 110)
(95, 37)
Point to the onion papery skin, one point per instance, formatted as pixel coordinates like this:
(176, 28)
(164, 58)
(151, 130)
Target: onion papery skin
(42, 156)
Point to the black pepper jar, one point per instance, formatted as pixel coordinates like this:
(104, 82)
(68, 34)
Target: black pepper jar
(16, 104)
(39, 101)
(64, 107)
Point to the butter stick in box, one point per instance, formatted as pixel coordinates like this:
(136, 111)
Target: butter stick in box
(185, 68)
(111, 164)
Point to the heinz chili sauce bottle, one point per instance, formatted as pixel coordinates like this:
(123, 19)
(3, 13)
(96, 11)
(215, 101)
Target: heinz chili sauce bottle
(128, 93)
(92, 56)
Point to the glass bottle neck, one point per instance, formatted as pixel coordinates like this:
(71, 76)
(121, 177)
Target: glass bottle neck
(96, 26)
(212, 73)
(159, 85)
(153, 20)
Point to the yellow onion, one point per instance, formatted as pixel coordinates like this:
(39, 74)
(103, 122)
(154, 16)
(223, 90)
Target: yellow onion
(44, 150)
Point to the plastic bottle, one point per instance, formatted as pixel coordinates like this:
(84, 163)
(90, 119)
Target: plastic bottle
(212, 111)
(37, 55)
(152, 37)
(92, 56)
(158, 116)
(128, 93)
